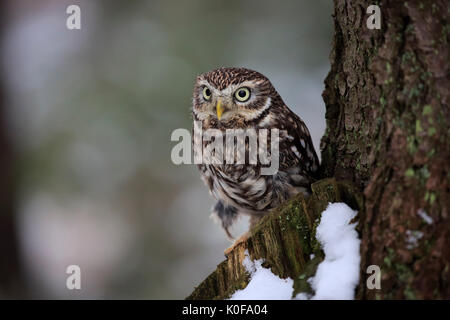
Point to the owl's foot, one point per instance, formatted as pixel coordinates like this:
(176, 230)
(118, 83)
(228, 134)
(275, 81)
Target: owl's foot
(241, 239)
(226, 214)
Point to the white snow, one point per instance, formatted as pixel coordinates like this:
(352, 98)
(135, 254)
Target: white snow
(338, 275)
(412, 238)
(425, 216)
(302, 296)
(263, 285)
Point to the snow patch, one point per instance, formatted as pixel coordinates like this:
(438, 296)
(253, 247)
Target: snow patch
(425, 217)
(263, 285)
(302, 296)
(412, 238)
(338, 274)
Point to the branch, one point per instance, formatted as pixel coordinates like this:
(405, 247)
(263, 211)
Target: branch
(284, 239)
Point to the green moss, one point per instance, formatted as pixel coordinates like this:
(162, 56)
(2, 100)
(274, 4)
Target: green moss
(301, 283)
(388, 67)
(432, 197)
(427, 196)
(407, 56)
(414, 92)
(424, 174)
(388, 259)
(409, 293)
(409, 173)
(427, 110)
(403, 272)
(418, 127)
(411, 145)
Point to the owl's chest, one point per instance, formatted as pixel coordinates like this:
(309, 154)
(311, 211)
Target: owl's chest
(241, 185)
(234, 174)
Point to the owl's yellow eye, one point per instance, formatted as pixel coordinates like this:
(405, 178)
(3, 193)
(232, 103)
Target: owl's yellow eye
(242, 94)
(206, 93)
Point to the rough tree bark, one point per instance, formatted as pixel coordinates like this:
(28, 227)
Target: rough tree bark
(388, 126)
(387, 135)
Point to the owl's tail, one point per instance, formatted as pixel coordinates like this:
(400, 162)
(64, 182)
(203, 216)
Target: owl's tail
(226, 214)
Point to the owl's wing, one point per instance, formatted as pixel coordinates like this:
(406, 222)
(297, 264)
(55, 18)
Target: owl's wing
(300, 146)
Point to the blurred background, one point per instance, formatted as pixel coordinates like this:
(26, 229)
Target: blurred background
(85, 123)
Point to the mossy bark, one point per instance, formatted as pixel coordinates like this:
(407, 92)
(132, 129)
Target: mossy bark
(285, 240)
(388, 125)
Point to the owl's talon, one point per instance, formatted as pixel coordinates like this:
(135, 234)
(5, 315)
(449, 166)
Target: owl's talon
(238, 241)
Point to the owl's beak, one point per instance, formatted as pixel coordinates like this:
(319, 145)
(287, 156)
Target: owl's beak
(219, 109)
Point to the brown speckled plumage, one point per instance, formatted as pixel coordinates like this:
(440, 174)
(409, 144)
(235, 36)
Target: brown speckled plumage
(223, 77)
(240, 188)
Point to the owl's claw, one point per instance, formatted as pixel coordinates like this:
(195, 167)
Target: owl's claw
(238, 241)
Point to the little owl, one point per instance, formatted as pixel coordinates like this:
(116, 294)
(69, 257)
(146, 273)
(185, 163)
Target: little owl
(238, 98)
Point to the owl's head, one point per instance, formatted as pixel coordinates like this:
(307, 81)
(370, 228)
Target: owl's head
(228, 95)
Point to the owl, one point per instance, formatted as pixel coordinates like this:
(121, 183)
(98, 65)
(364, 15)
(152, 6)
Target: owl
(239, 98)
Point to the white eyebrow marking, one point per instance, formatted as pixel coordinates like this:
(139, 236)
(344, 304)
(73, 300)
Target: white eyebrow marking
(253, 114)
(231, 88)
(266, 120)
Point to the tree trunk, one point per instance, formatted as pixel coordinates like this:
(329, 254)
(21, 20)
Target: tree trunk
(387, 134)
(388, 123)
